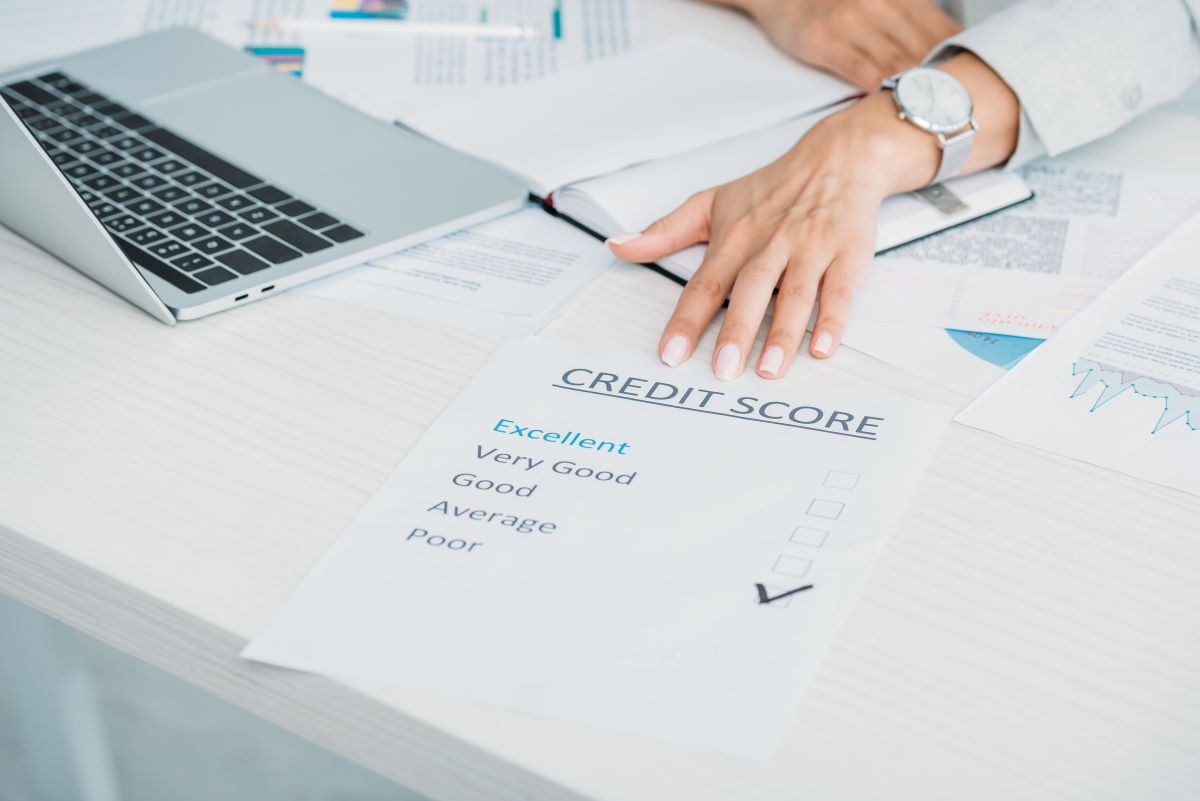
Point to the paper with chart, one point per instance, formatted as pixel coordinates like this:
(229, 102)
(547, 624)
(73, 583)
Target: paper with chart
(508, 276)
(591, 536)
(1027, 270)
(389, 76)
(1119, 386)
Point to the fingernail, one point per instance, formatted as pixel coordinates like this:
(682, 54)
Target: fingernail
(621, 239)
(729, 359)
(772, 360)
(674, 351)
(823, 344)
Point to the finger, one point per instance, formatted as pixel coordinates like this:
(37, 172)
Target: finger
(911, 38)
(685, 226)
(884, 52)
(853, 65)
(836, 296)
(748, 301)
(701, 299)
(937, 24)
(793, 310)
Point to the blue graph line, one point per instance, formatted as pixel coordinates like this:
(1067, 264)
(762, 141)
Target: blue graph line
(1178, 403)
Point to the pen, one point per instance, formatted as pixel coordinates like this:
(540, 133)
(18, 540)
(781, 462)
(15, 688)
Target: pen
(410, 28)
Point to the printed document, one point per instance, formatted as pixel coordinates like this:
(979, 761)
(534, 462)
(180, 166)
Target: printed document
(1119, 385)
(388, 76)
(590, 536)
(509, 276)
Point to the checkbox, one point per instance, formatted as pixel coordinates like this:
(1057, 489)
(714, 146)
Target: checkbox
(807, 535)
(792, 566)
(830, 510)
(840, 479)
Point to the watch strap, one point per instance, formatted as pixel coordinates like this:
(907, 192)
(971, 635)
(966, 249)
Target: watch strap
(955, 148)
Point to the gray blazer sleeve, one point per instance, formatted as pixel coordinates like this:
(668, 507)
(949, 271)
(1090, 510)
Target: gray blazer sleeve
(1083, 68)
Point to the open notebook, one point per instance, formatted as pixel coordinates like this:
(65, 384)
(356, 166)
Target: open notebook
(633, 198)
(616, 144)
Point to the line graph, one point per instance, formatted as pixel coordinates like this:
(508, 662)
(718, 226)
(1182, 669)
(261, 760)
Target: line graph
(1178, 403)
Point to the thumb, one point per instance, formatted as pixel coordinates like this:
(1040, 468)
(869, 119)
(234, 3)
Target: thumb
(685, 226)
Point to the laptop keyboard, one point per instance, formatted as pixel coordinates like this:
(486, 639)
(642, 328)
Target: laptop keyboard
(174, 208)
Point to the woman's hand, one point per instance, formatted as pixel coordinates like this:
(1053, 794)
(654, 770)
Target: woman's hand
(860, 41)
(805, 224)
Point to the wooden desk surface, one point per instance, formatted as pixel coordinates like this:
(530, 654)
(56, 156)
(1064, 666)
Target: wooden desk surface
(1031, 631)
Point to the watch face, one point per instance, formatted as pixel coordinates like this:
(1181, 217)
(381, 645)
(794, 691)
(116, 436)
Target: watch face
(934, 100)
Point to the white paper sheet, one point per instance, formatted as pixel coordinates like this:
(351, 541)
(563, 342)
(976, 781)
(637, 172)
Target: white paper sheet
(507, 276)
(387, 76)
(1027, 270)
(610, 114)
(1119, 385)
(656, 501)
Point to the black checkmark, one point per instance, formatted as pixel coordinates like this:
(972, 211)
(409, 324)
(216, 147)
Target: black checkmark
(763, 598)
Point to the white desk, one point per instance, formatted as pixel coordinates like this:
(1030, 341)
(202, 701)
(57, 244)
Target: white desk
(163, 489)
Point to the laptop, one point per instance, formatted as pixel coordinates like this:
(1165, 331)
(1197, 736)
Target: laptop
(189, 177)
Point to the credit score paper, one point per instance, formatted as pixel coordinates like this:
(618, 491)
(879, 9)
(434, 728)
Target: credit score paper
(590, 536)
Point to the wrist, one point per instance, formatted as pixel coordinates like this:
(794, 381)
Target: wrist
(900, 156)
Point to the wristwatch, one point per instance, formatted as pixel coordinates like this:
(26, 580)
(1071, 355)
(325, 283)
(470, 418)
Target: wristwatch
(937, 102)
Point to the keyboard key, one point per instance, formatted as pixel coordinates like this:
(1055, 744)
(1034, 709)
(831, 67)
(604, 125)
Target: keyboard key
(189, 232)
(123, 224)
(85, 146)
(235, 203)
(146, 236)
(72, 88)
(148, 182)
(100, 182)
(54, 79)
(272, 250)
(237, 231)
(25, 112)
(61, 108)
(33, 92)
(192, 261)
(165, 220)
(169, 166)
(123, 194)
(193, 206)
(87, 197)
(129, 169)
(133, 121)
(214, 219)
(213, 190)
(145, 206)
(242, 261)
(212, 244)
(152, 264)
(191, 178)
(168, 249)
(61, 157)
(317, 221)
(258, 215)
(64, 134)
(105, 209)
(126, 142)
(215, 275)
(109, 108)
(343, 233)
(41, 123)
(202, 158)
(146, 154)
(270, 195)
(106, 157)
(81, 171)
(105, 132)
(170, 194)
(296, 208)
(83, 119)
(296, 236)
(91, 99)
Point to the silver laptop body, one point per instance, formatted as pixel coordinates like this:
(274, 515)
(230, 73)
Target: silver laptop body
(188, 177)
